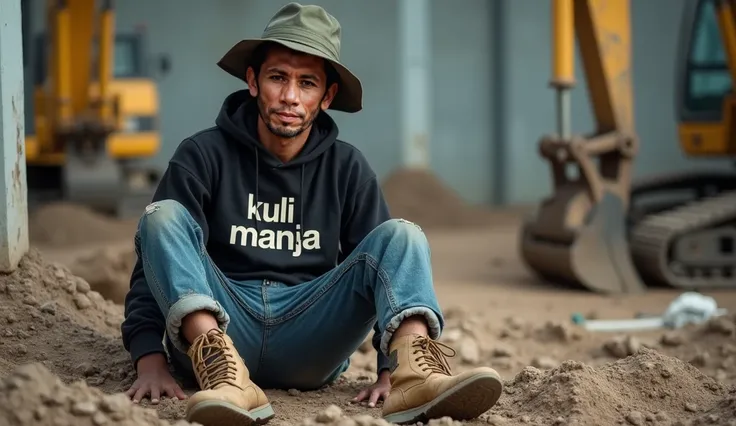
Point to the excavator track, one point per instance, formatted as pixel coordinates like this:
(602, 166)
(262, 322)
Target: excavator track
(691, 246)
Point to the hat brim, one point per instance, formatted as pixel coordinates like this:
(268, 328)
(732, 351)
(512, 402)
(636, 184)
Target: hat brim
(349, 97)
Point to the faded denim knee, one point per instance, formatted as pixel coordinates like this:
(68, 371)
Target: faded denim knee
(400, 230)
(162, 213)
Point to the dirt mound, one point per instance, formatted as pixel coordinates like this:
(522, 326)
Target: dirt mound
(62, 224)
(32, 395)
(419, 196)
(107, 271)
(724, 413)
(647, 387)
(48, 315)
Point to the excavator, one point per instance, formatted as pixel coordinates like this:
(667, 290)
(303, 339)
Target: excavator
(94, 110)
(600, 229)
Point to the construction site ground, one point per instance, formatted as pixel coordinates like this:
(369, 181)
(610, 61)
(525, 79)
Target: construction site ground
(62, 361)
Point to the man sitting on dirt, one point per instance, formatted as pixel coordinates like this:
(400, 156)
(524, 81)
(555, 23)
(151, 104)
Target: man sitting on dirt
(269, 239)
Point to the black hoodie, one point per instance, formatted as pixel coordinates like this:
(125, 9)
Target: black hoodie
(261, 218)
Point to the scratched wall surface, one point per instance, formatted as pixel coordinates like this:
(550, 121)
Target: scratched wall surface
(13, 213)
(491, 67)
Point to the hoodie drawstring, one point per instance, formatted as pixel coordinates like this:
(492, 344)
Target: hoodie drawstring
(258, 161)
(301, 202)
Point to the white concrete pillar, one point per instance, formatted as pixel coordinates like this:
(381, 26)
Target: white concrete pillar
(13, 191)
(415, 51)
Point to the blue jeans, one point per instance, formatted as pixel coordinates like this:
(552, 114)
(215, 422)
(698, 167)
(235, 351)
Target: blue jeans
(289, 336)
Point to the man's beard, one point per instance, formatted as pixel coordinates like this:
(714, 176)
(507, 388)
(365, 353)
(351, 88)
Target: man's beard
(283, 131)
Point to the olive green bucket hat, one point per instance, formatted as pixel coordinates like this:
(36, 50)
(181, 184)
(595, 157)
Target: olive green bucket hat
(308, 29)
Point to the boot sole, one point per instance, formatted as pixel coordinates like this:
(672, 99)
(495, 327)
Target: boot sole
(465, 401)
(221, 413)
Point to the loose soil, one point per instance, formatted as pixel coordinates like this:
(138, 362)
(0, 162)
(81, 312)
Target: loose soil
(62, 360)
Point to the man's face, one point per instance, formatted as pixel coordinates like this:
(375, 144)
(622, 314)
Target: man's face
(290, 90)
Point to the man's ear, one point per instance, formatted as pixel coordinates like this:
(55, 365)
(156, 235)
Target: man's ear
(329, 97)
(250, 77)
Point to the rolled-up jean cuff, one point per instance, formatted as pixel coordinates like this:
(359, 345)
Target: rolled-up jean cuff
(433, 321)
(189, 304)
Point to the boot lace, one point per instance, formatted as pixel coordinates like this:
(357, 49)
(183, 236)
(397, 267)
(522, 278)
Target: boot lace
(432, 355)
(214, 362)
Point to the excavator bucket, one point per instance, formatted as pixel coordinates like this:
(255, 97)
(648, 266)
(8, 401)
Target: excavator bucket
(594, 255)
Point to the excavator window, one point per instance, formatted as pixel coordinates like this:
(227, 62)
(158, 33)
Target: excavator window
(707, 78)
(128, 57)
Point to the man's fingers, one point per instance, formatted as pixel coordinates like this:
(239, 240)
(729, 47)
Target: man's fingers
(130, 392)
(361, 396)
(175, 392)
(385, 394)
(140, 393)
(155, 394)
(374, 398)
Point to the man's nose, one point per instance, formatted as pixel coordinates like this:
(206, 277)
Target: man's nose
(290, 94)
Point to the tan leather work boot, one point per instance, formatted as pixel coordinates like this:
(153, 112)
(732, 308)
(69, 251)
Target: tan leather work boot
(423, 387)
(228, 396)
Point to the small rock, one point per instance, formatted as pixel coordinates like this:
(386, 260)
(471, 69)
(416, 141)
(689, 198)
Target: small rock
(635, 418)
(544, 363)
(469, 351)
(701, 359)
(30, 300)
(661, 417)
(82, 301)
(723, 325)
(443, 421)
(691, 407)
(329, 415)
(671, 339)
(99, 419)
(96, 298)
(621, 347)
(452, 335)
(82, 285)
(59, 272)
(514, 323)
(83, 409)
(496, 420)
(115, 403)
(293, 392)
(502, 351)
(49, 308)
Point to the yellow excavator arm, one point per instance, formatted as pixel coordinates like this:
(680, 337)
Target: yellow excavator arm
(597, 229)
(77, 29)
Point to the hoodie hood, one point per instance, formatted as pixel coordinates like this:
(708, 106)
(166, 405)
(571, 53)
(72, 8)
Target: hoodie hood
(239, 117)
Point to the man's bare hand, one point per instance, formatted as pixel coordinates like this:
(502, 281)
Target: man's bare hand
(155, 380)
(378, 391)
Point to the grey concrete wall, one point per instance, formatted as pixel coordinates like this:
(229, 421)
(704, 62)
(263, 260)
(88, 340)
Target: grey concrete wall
(491, 66)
